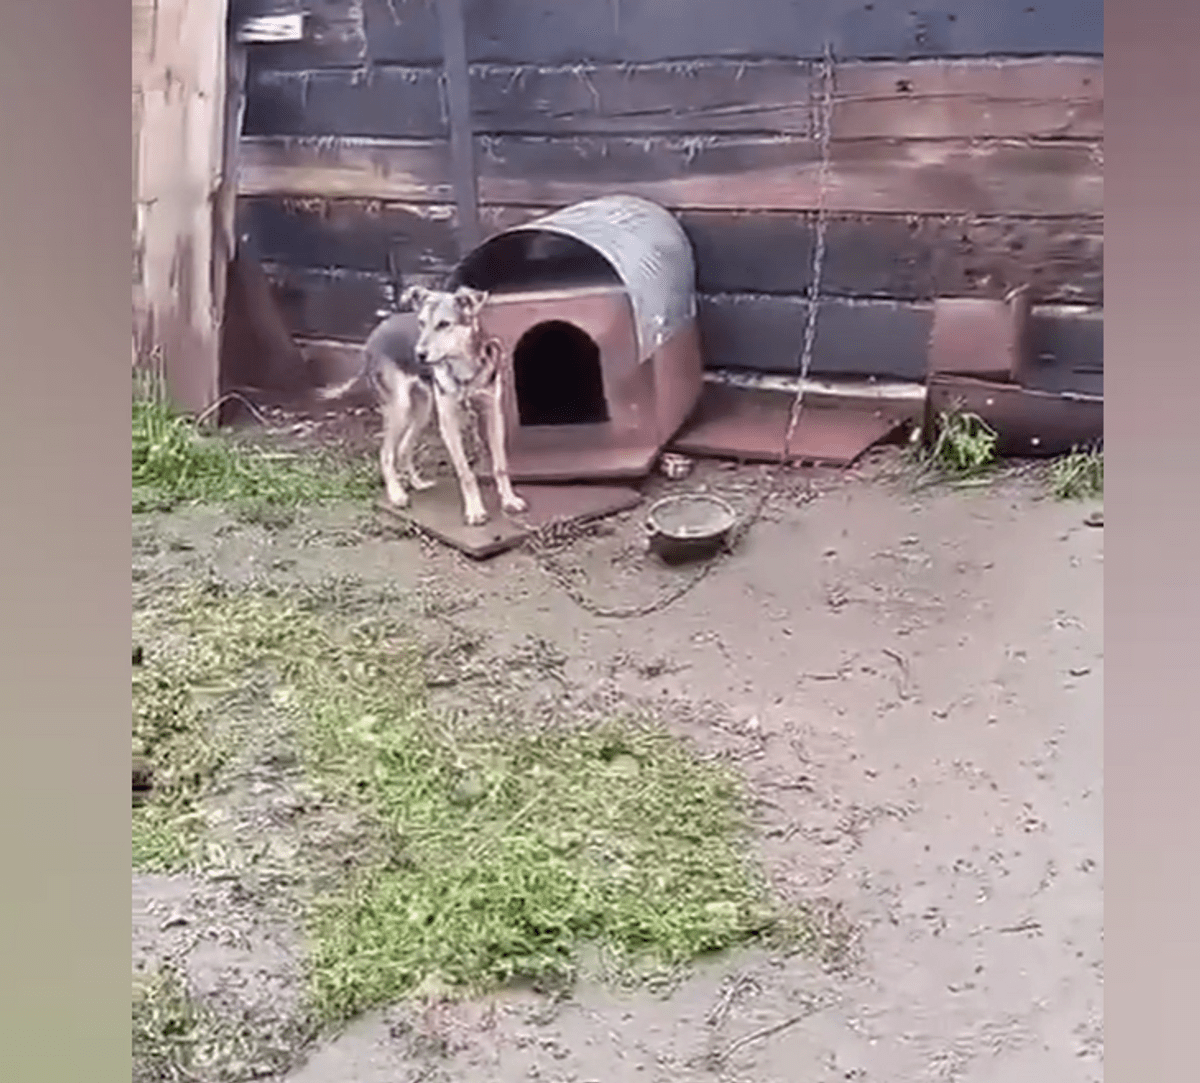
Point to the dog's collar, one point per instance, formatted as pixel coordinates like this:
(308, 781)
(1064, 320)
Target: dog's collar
(490, 350)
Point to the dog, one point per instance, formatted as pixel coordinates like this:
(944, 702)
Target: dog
(435, 356)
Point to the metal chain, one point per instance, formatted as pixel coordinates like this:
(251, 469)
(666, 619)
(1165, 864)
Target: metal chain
(540, 542)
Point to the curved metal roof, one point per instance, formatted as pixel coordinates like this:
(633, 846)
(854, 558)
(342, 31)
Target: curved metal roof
(647, 248)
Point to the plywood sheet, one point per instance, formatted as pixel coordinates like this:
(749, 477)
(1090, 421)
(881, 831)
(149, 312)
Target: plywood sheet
(438, 512)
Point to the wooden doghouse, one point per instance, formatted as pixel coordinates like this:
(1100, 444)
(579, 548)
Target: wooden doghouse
(595, 305)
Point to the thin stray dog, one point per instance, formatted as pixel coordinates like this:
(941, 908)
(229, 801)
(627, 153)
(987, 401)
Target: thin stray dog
(435, 355)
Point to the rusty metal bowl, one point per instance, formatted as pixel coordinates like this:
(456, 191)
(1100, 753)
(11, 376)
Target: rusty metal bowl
(688, 526)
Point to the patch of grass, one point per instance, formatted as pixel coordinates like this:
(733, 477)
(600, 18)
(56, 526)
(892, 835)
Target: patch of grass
(493, 853)
(174, 462)
(1078, 475)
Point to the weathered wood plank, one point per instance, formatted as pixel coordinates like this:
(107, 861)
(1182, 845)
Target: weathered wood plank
(620, 31)
(354, 235)
(763, 333)
(1041, 99)
(721, 172)
(408, 102)
(708, 96)
(909, 257)
(329, 304)
(903, 256)
(1066, 351)
(372, 102)
(883, 339)
(756, 332)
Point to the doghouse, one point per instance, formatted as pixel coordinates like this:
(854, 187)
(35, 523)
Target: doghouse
(595, 305)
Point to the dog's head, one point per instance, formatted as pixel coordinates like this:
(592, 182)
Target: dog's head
(448, 329)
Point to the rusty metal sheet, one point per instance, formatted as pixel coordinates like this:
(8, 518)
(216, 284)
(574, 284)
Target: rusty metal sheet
(979, 337)
(438, 511)
(1027, 422)
(750, 425)
(647, 248)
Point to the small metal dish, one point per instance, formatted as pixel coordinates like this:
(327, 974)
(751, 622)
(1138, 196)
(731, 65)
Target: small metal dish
(688, 526)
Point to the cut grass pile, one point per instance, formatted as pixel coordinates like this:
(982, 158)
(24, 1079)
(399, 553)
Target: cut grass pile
(178, 1038)
(175, 463)
(1078, 475)
(495, 853)
(173, 731)
(166, 1027)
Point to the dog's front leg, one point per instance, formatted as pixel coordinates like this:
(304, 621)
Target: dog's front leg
(450, 424)
(498, 447)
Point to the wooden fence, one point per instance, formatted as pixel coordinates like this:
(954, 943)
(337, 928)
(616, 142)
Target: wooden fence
(966, 158)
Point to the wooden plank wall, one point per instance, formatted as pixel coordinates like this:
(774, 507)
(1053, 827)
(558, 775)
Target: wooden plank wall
(179, 91)
(966, 158)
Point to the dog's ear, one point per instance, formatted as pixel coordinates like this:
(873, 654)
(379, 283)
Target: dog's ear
(413, 297)
(470, 302)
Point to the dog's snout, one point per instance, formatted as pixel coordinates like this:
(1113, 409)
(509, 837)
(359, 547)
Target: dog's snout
(423, 356)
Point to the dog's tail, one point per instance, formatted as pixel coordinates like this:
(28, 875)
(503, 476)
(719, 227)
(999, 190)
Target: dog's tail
(339, 391)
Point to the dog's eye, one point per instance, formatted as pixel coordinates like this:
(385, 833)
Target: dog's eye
(443, 326)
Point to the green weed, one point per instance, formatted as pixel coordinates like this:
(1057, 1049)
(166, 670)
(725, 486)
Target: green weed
(964, 444)
(960, 446)
(1078, 475)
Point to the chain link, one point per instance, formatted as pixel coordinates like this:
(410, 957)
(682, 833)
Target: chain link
(541, 542)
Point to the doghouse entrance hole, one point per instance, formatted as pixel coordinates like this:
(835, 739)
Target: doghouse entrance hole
(556, 369)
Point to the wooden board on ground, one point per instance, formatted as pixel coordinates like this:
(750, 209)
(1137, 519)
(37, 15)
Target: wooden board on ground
(750, 425)
(438, 512)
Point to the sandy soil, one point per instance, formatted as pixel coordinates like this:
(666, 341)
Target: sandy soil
(912, 685)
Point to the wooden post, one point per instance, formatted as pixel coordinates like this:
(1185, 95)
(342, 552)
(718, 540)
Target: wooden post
(462, 136)
(182, 78)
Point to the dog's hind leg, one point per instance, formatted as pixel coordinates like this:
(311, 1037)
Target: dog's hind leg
(497, 445)
(450, 424)
(397, 424)
(422, 408)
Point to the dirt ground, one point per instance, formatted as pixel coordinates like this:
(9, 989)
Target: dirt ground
(911, 683)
